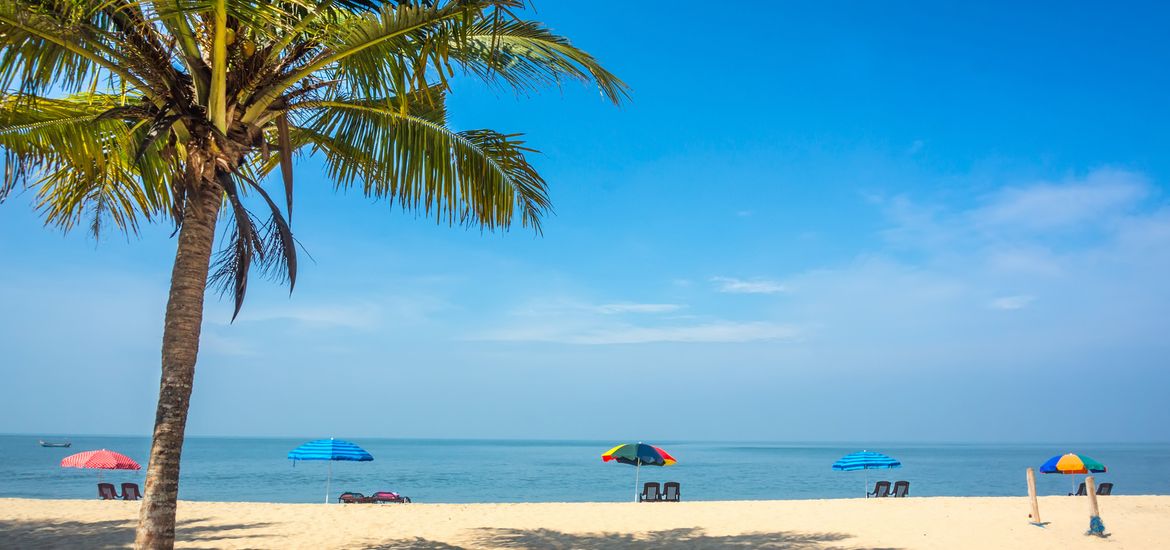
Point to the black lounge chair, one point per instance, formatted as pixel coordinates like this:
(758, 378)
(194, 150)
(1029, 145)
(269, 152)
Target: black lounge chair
(901, 489)
(670, 491)
(388, 496)
(880, 489)
(106, 491)
(353, 498)
(1105, 489)
(650, 492)
(1080, 491)
(130, 491)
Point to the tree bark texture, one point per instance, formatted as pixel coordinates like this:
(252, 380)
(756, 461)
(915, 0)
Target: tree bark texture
(180, 347)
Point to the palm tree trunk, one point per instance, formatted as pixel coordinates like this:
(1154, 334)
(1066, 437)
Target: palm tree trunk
(180, 346)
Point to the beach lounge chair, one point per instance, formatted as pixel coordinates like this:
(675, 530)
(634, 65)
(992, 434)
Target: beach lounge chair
(353, 498)
(106, 491)
(1105, 489)
(1080, 491)
(901, 489)
(670, 491)
(388, 496)
(880, 489)
(650, 492)
(130, 491)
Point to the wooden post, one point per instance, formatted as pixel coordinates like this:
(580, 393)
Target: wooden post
(1096, 526)
(1091, 490)
(1032, 496)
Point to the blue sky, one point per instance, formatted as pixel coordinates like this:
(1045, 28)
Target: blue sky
(814, 221)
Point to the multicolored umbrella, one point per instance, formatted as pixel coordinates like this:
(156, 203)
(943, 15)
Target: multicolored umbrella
(330, 450)
(101, 459)
(1071, 463)
(638, 454)
(865, 460)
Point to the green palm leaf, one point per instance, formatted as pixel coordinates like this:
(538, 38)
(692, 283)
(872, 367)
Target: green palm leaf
(477, 177)
(81, 162)
(527, 56)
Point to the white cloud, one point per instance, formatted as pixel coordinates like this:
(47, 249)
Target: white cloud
(1101, 201)
(915, 225)
(568, 321)
(212, 343)
(742, 286)
(1094, 198)
(568, 307)
(1024, 261)
(362, 316)
(625, 307)
(713, 332)
(1090, 248)
(1011, 302)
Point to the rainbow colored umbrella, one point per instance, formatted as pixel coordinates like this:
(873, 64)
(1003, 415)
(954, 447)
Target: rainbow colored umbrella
(638, 454)
(1071, 463)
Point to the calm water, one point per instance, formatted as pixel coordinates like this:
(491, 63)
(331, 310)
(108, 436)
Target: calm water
(230, 469)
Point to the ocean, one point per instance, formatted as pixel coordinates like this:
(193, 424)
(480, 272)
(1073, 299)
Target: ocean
(458, 471)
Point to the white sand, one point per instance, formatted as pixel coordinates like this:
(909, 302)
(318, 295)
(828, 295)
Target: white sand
(1133, 521)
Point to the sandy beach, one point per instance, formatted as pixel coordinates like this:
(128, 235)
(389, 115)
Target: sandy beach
(942, 522)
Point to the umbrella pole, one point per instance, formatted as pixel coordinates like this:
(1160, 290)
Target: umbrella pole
(637, 468)
(328, 481)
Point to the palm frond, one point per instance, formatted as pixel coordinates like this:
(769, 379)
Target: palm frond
(81, 162)
(231, 269)
(269, 247)
(477, 177)
(61, 45)
(528, 56)
(280, 252)
(374, 50)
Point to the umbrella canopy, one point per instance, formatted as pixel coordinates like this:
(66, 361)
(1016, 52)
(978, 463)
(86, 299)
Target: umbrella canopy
(865, 460)
(638, 454)
(102, 459)
(1071, 463)
(330, 450)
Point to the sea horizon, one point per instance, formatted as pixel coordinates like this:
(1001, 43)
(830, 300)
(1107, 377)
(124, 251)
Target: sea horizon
(308, 437)
(256, 469)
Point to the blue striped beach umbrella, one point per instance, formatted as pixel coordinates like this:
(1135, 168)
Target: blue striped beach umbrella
(329, 450)
(865, 460)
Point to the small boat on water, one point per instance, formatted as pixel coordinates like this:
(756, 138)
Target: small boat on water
(55, 443)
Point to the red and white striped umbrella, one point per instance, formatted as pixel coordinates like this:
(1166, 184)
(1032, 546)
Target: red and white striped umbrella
(102, 459)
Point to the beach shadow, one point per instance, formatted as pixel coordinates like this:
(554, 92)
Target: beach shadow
(189, 530)
(66, 534)
(46, 533)
(689, 538)
(417, 543)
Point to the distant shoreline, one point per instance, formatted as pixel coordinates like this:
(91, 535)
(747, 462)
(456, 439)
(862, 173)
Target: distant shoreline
(931, 522)
(609, 441)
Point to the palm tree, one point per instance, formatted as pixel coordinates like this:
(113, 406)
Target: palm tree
(124, 111)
